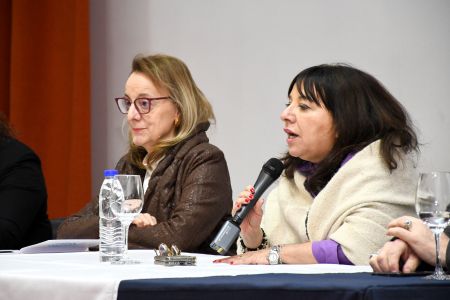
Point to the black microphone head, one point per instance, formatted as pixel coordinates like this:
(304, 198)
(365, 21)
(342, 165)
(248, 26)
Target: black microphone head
(274, 167)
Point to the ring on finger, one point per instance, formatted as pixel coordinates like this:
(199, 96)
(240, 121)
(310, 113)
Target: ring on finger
(372, 255)
(407, 224)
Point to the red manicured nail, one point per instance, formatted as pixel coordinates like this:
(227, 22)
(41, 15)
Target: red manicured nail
(250, 197)
(252, 190)
(247, 200)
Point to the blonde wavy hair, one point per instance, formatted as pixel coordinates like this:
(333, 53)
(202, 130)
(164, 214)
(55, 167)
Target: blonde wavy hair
(194, 108)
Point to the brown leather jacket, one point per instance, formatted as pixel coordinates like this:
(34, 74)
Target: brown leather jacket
(189, 194)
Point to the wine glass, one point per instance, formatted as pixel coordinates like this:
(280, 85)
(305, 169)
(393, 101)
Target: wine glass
(126, 205)
(432, 206)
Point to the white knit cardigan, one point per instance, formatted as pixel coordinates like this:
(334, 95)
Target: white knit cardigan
(353, 209)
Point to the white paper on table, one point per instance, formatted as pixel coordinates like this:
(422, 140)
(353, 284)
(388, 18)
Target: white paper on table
(57, 246)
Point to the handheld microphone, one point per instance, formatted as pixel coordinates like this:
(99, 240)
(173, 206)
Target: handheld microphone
(230, 230)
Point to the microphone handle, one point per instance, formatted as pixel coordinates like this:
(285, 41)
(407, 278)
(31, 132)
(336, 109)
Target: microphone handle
(262, 183)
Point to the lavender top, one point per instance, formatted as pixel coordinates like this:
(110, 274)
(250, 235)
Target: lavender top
(329, 252)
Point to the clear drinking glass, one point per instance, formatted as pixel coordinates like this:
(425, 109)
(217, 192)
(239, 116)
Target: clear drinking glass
(126, 205)
(433, 206)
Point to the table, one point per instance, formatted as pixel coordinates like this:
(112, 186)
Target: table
(286, 286)
(81, 276)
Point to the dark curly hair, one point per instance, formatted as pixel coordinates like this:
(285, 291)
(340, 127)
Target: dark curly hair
(363, 111)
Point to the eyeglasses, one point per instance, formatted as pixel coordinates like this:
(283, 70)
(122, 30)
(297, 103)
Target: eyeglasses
(142, 105)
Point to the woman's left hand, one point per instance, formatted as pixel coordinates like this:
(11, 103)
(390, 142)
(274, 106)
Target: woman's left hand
(248, 258)
(418, 236)
(144, 220)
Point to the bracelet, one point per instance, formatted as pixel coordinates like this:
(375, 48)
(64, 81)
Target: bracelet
(264, 244)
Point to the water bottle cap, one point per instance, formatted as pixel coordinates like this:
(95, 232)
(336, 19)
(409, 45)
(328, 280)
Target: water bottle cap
(110, 172)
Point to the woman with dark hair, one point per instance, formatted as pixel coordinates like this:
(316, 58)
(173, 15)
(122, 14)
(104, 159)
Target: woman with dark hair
(350, 169)
(185, 178)
(23, 196)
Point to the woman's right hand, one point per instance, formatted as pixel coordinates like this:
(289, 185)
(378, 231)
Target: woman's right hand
(144, 220)
(251, 225)
(392, 255)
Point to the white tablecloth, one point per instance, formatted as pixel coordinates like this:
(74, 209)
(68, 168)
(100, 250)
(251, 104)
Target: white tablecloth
(81, 276)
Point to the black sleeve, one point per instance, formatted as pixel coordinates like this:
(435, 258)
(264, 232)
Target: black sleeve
(23, 197)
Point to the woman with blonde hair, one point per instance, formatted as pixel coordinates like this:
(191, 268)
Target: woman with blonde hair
(186, 180)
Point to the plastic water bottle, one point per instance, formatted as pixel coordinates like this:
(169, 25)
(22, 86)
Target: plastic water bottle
(110, 229)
